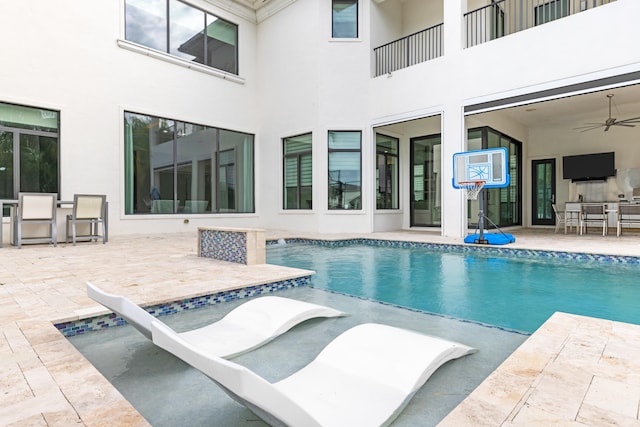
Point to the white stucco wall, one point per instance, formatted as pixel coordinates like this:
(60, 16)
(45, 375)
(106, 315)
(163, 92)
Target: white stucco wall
(64, 56)
(295, 79)
(312, 83)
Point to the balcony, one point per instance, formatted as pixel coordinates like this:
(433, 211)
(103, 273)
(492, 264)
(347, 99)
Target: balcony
(410, 50)
(504, 17)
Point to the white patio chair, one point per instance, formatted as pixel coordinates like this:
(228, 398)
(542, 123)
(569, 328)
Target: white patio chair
(36, 208)
(88, 209)
(593, 214)
(561, 220)
(628, 214)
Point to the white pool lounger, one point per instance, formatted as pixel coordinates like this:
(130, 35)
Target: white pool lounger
(248, 326)
(364, 377)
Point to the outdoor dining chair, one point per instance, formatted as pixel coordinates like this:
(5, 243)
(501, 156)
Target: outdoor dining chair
(593, 214)
(36, 208)
(561, 220)
(88, 209)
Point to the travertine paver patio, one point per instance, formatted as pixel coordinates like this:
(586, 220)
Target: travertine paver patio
(572, 371)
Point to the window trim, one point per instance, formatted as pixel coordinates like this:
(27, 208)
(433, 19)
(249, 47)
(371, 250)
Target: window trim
(297, 156)
(358, 21)
(344, 150)
(213, 213)
(397, 174)
(168, 57)
(158, 54)
(16, 131)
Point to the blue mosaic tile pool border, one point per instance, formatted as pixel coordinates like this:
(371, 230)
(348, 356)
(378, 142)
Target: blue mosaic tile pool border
(69, 329)
(489, 250)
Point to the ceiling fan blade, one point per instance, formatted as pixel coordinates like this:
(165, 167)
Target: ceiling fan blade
(588, 125)
(607, 128)
(625, 125)
(631, 120)
(589, 129)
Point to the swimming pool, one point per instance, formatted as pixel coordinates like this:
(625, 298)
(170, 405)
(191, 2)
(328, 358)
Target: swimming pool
(169, 393)
(511, 292)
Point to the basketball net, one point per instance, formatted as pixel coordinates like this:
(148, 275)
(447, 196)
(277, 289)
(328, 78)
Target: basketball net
(471, 188)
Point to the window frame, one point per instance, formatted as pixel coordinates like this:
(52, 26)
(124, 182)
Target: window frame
(166, 54)
(341, 206)
(222, 141)
(549, 11)
(17, 132)
(298, 159)
(356, 23)
(395, 189)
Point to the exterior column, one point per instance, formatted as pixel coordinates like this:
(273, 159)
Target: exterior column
(454, 203)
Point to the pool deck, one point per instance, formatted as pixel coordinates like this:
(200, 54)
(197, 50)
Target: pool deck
(572, 371)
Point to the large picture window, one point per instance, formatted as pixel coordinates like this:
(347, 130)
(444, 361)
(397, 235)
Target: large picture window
(298, 172)
(386, 172)
(179, 167)
(29, 150)
(184, 31)
(344, 170)
(344, 19)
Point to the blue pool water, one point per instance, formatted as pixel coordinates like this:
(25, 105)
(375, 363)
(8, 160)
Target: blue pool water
(515, 293)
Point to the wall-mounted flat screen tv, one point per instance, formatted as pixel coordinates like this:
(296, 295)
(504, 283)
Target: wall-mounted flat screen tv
(588, 167)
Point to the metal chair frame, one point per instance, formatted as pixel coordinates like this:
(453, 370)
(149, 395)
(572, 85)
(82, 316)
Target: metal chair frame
(87, 209)
(36, 208)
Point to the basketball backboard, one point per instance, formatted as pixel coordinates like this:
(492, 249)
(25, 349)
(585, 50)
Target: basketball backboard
(490, 166)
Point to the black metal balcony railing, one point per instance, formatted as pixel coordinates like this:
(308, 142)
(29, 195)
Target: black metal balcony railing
(504, 17)
(414, 49)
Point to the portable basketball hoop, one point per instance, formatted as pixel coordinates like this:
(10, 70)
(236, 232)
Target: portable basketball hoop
(471, 188)
(474, 171)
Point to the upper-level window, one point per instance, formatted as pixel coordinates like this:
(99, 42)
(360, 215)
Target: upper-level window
(551, 11)
(344, 170)
(29, 150)
(298, 172)
(184, 31)
(344, 19)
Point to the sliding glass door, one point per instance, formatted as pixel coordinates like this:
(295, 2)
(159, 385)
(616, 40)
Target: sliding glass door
(501, 205)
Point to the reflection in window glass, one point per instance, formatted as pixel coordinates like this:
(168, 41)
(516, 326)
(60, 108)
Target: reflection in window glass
(222, 44)
(185, 32)
(38, 163)
(426, 181)
(501, 205)
(146, 23)
(344, 19)
(344, 170)
(191, 33)
(551, 11)
(29, 150)
(386, 172)
(298, 172)
(7, 190)
(210, 170)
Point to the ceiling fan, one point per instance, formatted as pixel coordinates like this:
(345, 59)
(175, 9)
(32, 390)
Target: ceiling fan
(611, 121)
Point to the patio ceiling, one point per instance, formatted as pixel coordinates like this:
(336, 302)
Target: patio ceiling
(574, 111)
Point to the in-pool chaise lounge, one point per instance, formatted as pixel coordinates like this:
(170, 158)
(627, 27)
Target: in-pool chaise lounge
(245, 328)
(364, 377)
